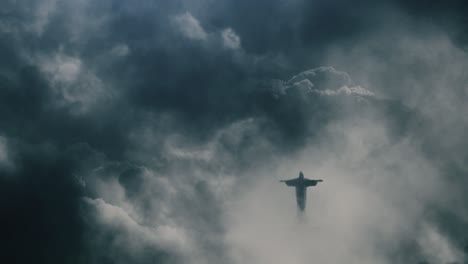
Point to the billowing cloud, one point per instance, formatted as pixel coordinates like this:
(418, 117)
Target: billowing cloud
(189, 26)
(131, 237)
(328, 81)
(75, 85)
(368, 209)
(437, 247)
(230, 39)
(156, 132)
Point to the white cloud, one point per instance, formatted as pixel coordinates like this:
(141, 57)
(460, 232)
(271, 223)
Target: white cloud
(372, 198)
(74, 85)
(424, 71)
(135, 235)
(3, 150)
(5, 160)
(325, 81)
(437, 247)
(230, 39)
(189, 26)
(356, 90)
(312, 74)
(304, 85)
(64, 69)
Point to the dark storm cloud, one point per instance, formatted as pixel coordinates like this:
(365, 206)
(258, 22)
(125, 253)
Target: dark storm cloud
(39, 206)
(450, 15)
(117, 118)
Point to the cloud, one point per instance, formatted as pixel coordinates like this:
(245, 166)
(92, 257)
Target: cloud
(6, 162)
(372, 201)
(120, 50)
(230, 39)
(75, 85)
(189, 26)
(325, 81)
(324, 73)
(63, 68)
(159, 125)
(3, 149)
(357, 90)
(180, 189)
(41, 16)
(439, 248)
(135, 234)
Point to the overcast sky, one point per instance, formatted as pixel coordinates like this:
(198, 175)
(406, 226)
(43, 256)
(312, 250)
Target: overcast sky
(156, 131)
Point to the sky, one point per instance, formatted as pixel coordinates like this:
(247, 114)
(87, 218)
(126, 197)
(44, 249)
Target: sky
(156, 131)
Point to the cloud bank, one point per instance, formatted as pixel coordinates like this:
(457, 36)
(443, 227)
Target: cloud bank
(155, 132)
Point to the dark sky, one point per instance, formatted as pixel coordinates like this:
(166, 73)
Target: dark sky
(155, 131)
